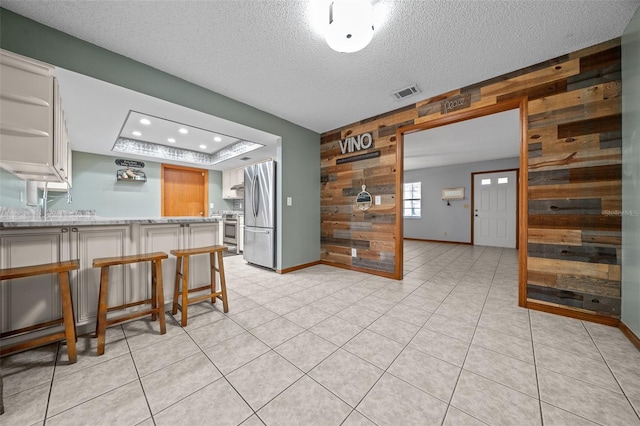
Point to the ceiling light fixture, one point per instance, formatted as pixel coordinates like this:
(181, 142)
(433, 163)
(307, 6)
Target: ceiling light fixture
(217, 139)
(183, 131)
(171, 140)
(350, 25)
(149, 149)
(136, 133)
(145, 121)
(203, 146)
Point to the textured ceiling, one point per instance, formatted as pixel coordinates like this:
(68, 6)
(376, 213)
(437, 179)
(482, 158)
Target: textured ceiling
(270, 55)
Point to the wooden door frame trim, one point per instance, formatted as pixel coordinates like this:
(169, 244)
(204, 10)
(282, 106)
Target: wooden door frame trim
(205, 172)
(523, 186)
(473, 174)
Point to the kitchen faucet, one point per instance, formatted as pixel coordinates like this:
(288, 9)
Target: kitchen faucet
(43, 211)
(45, 198)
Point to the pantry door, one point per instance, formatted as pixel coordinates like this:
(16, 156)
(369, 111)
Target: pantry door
(494, 209)
(184, 191)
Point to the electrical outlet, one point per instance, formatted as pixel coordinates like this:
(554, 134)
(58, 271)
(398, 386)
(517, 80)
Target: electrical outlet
(354, 252)
(289, 201)
(378, 200)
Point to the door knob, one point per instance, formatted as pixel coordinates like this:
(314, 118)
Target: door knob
(201, 213)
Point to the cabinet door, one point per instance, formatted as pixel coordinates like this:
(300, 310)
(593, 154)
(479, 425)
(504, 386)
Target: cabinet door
(162, 237)
(200, 235)
(226, 184)
(88, 243)
(27, 123)
(32, 300)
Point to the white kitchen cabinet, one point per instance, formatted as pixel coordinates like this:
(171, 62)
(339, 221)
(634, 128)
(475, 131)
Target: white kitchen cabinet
(231, 178)
(33, 300)
(88, 243)
(34, 143)
(167, 237)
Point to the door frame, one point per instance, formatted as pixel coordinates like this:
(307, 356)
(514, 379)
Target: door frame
(473, 174)
(205, 175)
(520, 103)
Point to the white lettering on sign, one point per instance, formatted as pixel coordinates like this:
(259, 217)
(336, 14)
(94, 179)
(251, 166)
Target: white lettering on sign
(356, 143)
(456, 103)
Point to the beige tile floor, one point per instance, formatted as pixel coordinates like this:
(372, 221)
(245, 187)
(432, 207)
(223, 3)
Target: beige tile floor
(326, 346)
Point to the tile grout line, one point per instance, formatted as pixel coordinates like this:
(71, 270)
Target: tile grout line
(611, 371)
(53, 375)
(455, 387)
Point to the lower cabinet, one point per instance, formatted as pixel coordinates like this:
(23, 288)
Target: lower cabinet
(167, 237)
(88, 243)
(28, 301)
(33, 300)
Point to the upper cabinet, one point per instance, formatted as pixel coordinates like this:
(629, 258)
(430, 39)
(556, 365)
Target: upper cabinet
(233, 183)
(34, 143)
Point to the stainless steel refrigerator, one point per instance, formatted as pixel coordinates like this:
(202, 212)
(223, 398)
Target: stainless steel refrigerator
(260, 214)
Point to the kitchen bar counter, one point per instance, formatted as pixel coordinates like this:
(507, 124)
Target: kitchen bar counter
(22, 222)
(26, 239)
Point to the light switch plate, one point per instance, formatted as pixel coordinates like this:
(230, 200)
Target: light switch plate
(289, 201)
(354, 252)
(378, 200)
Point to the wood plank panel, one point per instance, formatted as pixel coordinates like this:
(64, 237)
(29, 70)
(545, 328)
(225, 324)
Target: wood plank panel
(567, 99)
(575, 190)
(589, 254)
(573, 181)
(571, 237)
(568, 267)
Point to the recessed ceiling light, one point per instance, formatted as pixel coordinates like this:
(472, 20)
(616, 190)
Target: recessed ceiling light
(136, 133)
(145, 121)
(183, 131)
(171, 140)
(217, 139)
(203, 147)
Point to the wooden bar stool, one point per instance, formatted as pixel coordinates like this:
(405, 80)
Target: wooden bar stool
(182, 273)
(157, 294)
(68, 318)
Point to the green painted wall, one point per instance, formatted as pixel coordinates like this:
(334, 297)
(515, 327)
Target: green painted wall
(95, 188)
(11, 190)
(630, 175)
(299, 165)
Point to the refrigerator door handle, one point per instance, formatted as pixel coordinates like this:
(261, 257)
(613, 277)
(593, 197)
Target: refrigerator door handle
(257, 231)
(256, 196)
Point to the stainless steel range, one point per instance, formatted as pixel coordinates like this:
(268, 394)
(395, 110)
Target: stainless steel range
(231, 229)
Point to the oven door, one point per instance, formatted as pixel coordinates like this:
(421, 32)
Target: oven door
(230, 232)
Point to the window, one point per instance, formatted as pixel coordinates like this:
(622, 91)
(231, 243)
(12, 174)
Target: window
(503, 180)
(485, 182)
(411, 199)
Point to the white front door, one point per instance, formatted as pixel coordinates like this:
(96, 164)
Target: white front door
(494, 209)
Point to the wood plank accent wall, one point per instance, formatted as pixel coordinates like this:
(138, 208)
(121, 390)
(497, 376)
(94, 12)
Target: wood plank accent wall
(574, 182)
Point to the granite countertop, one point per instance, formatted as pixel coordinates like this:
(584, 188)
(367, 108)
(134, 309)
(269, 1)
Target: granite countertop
(20, 222)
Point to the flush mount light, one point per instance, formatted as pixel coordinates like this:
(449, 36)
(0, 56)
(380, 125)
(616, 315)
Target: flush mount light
(217, 139)
(145, 121)
(203, 147)
(183, 131)
(136, 133)
(350, 25)
(171, 140)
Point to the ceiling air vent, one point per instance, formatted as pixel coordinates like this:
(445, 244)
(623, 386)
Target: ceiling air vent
(407, 91)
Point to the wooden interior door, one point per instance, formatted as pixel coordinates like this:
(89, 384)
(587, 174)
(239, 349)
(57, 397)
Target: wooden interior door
(184, 191)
